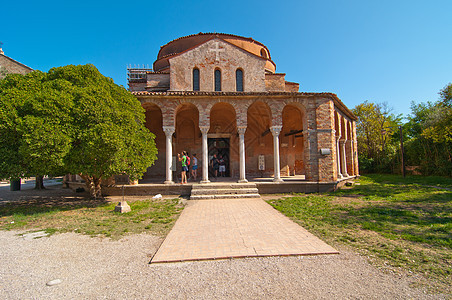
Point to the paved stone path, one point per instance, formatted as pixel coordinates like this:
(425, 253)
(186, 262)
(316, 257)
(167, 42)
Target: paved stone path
(218, 229)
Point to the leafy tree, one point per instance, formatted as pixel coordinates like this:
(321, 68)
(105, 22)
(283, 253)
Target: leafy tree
(72, 119)
(376, 130)
(430, 128)
(3, 72)
(33, 142)
(106, 128)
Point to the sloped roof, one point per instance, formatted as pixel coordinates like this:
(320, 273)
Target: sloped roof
(170, 94)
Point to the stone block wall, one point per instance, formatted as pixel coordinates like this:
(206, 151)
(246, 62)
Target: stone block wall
(229, 59)
(13, 66)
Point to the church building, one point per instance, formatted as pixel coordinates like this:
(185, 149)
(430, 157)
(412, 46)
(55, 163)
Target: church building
(219, 94)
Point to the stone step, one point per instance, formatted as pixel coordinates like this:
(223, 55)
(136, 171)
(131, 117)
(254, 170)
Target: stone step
(227, 196)
(209, 186)
(224, 191)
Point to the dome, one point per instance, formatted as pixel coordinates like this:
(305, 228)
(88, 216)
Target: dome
(187, 42)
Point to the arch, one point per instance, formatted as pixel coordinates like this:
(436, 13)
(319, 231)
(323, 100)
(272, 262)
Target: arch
(239, 80)
(217, 80)
(196, 79)
(264, 53)
(349, 130)
(222, 136)
(258, 139)
(187, 134)
(337, 124)
(292, 139)
(343, 128)
(154, 122)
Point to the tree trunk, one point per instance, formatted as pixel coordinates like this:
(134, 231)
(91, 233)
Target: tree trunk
(93, 184)
(39, 182)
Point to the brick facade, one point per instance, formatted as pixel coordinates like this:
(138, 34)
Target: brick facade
(317, 137)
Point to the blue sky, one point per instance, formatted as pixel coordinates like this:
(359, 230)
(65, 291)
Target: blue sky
(383, 51)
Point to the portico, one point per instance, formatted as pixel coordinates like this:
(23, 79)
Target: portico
(219, 94)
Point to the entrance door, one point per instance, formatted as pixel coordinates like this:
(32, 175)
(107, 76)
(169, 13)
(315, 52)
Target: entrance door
(219, 146)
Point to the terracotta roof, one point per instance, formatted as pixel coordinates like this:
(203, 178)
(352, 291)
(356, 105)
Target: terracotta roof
(332, 96)
(215, 33)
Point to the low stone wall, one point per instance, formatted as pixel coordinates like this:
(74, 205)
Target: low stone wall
(305, 187)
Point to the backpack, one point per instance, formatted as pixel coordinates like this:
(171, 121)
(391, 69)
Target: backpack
(188, 160)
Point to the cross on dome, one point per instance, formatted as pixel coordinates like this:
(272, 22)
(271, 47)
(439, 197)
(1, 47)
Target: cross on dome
(217, 51)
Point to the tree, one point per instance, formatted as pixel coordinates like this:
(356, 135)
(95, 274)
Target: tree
(106, 127)
(376, 132)
(430, 129)
(33, 141)
(76, 120)
(3, 72)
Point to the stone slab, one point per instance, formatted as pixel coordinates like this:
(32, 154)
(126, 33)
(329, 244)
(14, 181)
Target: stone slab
(232, 228)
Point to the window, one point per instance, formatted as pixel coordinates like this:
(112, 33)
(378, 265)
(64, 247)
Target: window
(217, 80)
(264, 53)
(239, 80)
(196, 79)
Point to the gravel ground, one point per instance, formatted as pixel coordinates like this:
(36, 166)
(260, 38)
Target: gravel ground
(94, 268)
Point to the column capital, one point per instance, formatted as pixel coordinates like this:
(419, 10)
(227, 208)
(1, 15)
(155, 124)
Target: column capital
(204, 129)
(276, 130)
(169, 130)
(241, 129)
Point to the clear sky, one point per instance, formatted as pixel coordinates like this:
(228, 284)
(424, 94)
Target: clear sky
(393, 51)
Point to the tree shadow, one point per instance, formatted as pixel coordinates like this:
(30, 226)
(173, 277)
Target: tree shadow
(52, 199)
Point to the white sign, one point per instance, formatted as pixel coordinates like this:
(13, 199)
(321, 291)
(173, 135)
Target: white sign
(261, 162)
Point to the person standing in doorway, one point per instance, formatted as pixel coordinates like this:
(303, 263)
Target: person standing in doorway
(222, 168)
(194, 168)
(214, 164)
(183, 160)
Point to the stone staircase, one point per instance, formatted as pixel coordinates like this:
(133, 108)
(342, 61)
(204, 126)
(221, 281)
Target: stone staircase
(209, 191)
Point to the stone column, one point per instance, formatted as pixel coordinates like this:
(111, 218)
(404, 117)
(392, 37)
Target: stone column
(350, 151)
(169, 130)
(241, 130)
(344, 158)
(338, 158)
(205, 155)
(276, 130)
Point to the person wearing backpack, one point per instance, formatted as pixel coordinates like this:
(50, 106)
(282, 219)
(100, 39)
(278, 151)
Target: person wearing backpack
(183, 161)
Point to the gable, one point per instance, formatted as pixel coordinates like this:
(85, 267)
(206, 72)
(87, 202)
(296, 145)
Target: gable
(217, 54)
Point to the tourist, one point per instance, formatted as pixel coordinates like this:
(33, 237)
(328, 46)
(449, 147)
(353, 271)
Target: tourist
(215, 165)
(183, 160)
(194, 168)
(222, 167)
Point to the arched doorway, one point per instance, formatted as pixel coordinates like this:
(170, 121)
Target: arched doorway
(222, 140)
(292, 142)
(154, 121)
(259, 141)
(187, 135)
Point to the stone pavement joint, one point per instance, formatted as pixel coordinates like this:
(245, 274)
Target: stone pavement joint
(234, 228)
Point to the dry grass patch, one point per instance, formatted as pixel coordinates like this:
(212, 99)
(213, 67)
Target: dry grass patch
(91, 217)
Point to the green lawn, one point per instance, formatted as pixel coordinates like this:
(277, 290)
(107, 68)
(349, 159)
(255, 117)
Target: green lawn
(92, 218)
(397, 222)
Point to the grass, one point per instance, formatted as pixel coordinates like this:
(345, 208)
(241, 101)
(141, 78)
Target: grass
(92, 218)
(397, 222)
